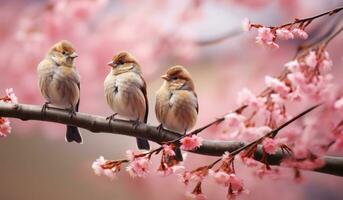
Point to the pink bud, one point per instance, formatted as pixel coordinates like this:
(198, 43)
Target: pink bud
(284, 34)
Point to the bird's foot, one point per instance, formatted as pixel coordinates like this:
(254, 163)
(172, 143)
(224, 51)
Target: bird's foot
(45, 106)
(111, 118)
(71, 112)
(135, 123)
(159, 128)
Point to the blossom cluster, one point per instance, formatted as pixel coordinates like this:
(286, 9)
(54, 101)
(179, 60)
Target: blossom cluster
(138, 163)
(5, 125)
(267, 35)
(307, 78)
(224, 175)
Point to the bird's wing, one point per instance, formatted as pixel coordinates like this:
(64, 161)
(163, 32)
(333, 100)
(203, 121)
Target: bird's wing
(143, 89)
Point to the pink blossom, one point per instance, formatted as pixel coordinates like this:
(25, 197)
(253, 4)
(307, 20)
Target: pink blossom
(256, 131)
(220, 177)
(190, 142)
(250, 162)
(11, 95)
(166, 171)
(339, 142)
(277, 85)
(246, 98)
(300, 150)
(168, 150)
(325, 66)
(284, 34)
(246, 25)
(277, 100)
(293, 65)
(226, 156)
(297, 79)
(311, 59)
(299, 33)
(236, 184)
(338, 104)
(97, 165)
(110, 173)
(269, 145)
(234, 120)
(139, 167)
(266, 37)
(5, 128)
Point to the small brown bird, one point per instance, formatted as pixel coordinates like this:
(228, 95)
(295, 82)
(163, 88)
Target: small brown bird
(176, 102)
(59, 82)
(125, 91)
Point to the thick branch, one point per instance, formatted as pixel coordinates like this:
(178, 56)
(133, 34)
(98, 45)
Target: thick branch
(96, 124)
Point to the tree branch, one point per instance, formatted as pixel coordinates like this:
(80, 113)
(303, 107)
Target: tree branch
(96, 124)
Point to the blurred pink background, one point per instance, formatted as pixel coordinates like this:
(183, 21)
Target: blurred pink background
(36, 163)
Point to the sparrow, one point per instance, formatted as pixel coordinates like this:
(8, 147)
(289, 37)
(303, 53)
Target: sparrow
(176, 102)
(125, 92)
(59, 82)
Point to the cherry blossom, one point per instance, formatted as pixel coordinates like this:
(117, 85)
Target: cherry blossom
(11, 95)
(266, 37)
(190, 142)
(299, 33)
(292, 65)
(234, 120)
(221, 178)
(166, 170)
(236, 184)
(226, 156)
(97, 165)
(168, 150)
(269, 145)
(250, 162)
(5, 128)
(339, 104)
(246, 97)
(139, 167)
(311, 59)
(284, 34)
(277, 85)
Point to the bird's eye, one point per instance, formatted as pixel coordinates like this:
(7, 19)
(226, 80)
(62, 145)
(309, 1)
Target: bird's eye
(174, 78)
(64, 52)
(120, 62)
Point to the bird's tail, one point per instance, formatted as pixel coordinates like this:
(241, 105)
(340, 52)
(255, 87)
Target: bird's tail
(178, 154)
(73, 134)
(143, 144)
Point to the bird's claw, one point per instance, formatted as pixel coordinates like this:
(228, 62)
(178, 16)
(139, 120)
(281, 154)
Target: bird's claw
(111, 118)
(135, 123)
(159, 128)
(44, 107)
(72, 112)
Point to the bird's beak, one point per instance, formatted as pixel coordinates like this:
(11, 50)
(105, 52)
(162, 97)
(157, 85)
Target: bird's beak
(73, 55)
(165, 77)
(111, 64)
